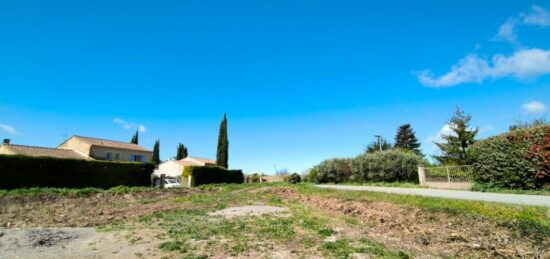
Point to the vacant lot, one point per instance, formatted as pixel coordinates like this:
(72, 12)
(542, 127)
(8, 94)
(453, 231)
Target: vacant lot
(281, 221)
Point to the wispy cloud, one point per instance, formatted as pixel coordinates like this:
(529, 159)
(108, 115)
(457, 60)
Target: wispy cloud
(538, 16)
(523, 64)
(526, 64)
(9, 129)
(130, 125)
(533, 107)
(507, 31)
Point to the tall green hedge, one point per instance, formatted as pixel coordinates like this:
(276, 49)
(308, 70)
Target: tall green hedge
(212, 174)
(393, 165)
(24, 171)
(514, 159)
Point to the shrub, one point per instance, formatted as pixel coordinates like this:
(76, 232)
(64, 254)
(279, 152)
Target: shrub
(384, 166)
(388, 166)
(255, 178)
(294, 178)
(25, 172)
(333, 170)
(213, 174)
(519, 159)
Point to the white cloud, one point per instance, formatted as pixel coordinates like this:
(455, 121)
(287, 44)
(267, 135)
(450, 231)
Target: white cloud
(445, 130)
(524, 64)
(507, 31)
(130, 125)
(538, 16)
(533, 107)
(9, 129)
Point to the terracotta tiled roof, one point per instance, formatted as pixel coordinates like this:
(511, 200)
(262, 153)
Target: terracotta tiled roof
(203, 160)
(44, 152)
(112, 144)
(195, 161)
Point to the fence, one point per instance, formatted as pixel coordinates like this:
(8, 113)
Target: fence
(447, 177)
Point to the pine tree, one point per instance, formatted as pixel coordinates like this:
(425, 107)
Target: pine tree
(454, 151)
(222, 155)
(405, 138)
(182, 152)
(156, 153)
(377, 145)
(135, 138)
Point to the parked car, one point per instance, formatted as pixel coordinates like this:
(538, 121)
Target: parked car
(168, 183)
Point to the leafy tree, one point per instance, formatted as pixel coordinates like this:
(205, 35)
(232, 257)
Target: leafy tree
(454, 149)
(181, 152)
(222, 155)
(377, 145)
(406, 138)
(156, 153)
(135, 138)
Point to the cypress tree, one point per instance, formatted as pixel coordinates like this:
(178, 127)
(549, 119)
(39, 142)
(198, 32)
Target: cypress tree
(156, 153)
(454, 149)
(405, 138)
(222, 155)
(181, 153)
(135, 138)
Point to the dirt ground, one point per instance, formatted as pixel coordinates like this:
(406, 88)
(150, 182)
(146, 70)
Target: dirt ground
(54, 226)
(27, 211)
(45, 243)
(416, 230)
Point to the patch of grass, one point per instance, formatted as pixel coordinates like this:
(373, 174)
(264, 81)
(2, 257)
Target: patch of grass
(492, 188)
(172, 246)
(344, 249)
(384, 184)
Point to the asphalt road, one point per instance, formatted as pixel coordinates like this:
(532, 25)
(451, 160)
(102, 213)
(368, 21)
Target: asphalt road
(521, 199)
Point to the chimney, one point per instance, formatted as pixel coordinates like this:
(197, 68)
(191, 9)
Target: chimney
(6, 141)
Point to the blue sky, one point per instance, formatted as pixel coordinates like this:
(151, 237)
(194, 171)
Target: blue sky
(301, 81)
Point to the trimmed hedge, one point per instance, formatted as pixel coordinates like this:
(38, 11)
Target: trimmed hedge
(519, 159)
(25, 172)
(393, 165)
(213, 174)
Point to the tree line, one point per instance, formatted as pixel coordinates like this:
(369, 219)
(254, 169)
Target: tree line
(222, 154)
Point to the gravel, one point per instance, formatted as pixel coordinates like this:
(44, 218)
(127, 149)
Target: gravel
(255, 210)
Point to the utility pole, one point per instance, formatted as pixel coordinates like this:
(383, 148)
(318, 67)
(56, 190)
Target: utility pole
(378, 137)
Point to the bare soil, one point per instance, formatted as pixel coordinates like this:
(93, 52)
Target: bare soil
(78, 242)
(253, 210)
(418, 230)
(27, 211)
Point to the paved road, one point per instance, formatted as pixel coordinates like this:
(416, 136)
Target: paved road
(522, 199)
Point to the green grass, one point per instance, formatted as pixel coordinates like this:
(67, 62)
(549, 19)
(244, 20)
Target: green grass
(385, 184)
(490, 188)
(344, 248)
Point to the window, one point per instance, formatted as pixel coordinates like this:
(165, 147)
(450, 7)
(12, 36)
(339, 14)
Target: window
(137, 158)
(109, 156)
(117, 156)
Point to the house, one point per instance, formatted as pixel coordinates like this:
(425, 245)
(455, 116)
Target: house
(79, 147)
(102, 149)
(10, 149)
(174, 168)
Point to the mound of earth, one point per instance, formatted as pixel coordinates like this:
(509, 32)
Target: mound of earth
(254, 210)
